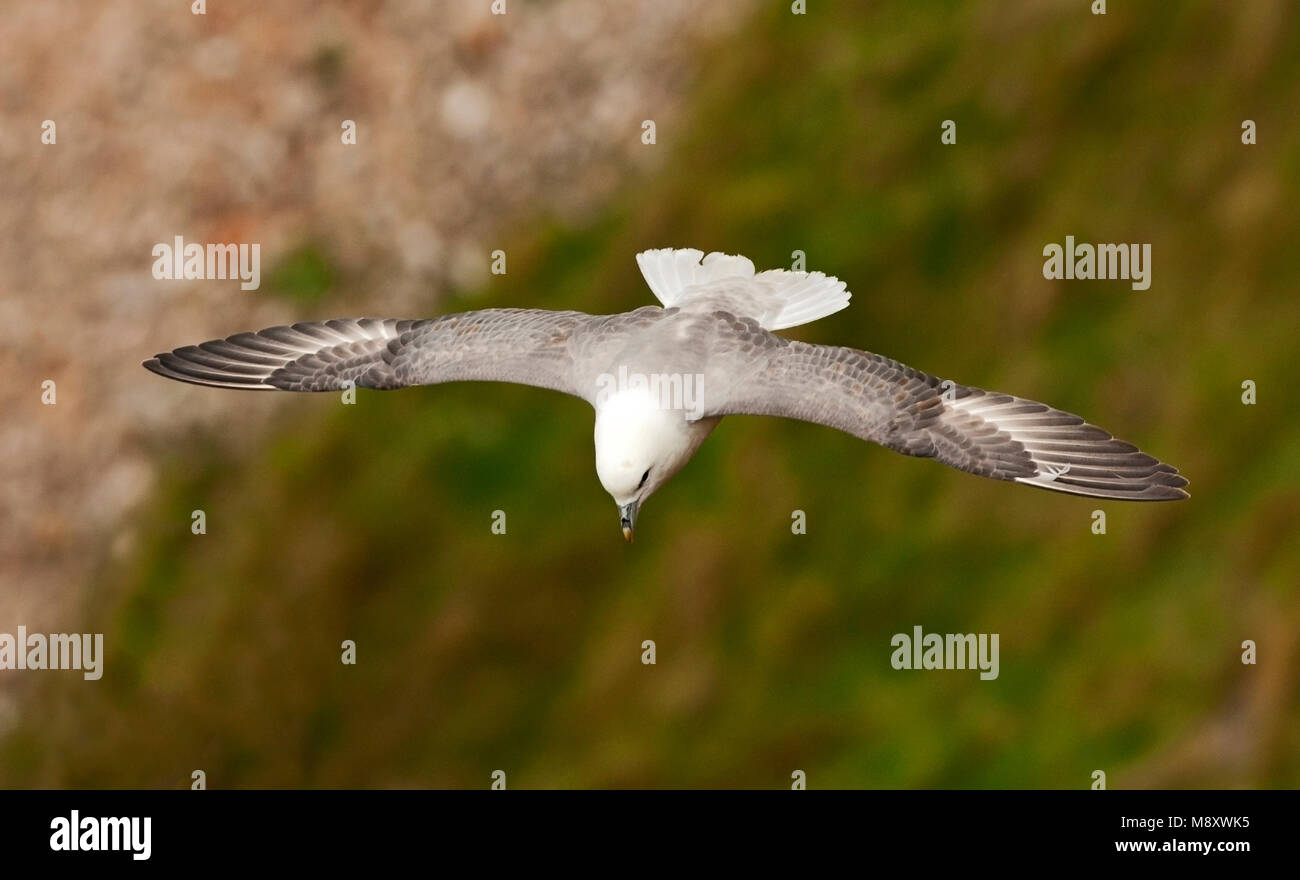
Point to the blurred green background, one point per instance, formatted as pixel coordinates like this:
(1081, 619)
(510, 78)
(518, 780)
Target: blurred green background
(521, 652)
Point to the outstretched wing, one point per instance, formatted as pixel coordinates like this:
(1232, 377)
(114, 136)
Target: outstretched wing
(985, 433)
(526, 346)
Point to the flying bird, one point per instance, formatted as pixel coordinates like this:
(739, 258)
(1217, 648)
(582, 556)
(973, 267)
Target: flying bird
(660, 378)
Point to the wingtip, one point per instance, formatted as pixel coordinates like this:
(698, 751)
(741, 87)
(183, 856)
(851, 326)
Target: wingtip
(1159, 486)
(1172, 488)
(1164, 493)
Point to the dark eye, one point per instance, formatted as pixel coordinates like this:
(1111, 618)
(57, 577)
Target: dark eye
(644, 477)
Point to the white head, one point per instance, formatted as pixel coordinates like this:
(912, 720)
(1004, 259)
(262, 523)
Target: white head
(639, 445)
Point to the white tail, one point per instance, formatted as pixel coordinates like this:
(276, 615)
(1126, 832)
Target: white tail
(781, 297)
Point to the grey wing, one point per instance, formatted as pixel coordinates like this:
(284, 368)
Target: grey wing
(526, 346)
(985, 433)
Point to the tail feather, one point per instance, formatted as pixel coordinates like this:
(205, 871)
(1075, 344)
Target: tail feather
(805, 296)
(777, 298)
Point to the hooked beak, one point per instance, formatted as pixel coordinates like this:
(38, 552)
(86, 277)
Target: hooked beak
(627, 513)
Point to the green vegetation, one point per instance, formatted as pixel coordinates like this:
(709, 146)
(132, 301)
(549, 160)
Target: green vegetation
(521, 652)
(306, 275)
